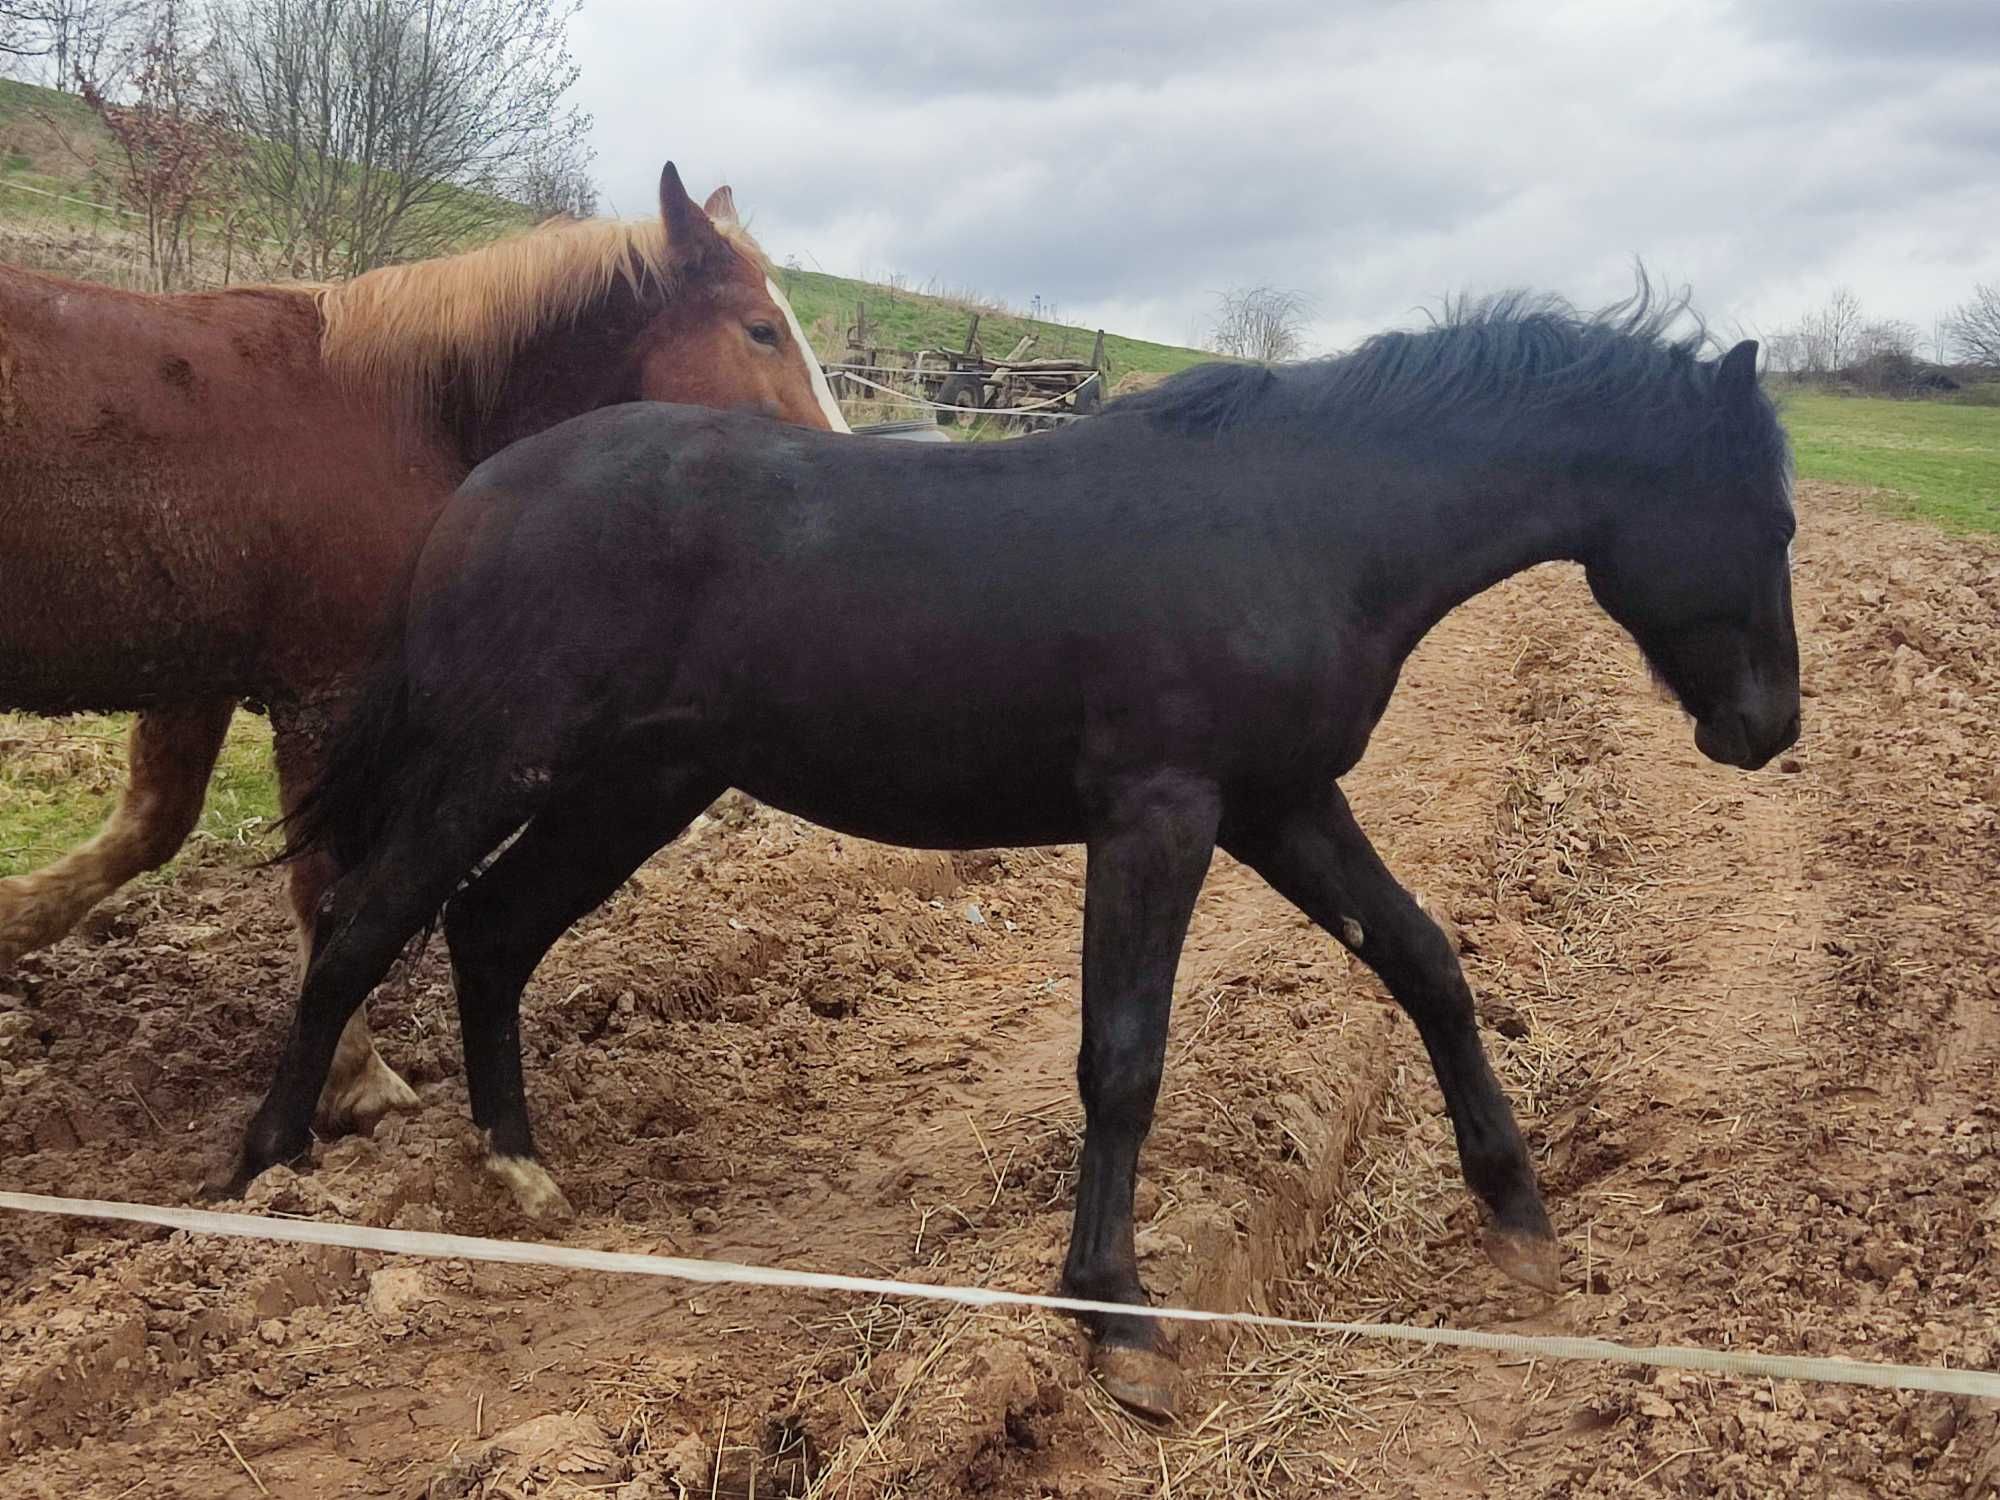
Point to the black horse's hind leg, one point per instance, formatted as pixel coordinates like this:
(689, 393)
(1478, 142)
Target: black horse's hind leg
(1317, 856)
(578, 850)
(1147, 856)
(365, 921)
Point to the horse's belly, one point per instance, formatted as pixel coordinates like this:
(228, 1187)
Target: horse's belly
(109, 676)
(84, 655)
(125, 588)
(920, 791)
(118, 634)
(986, 823)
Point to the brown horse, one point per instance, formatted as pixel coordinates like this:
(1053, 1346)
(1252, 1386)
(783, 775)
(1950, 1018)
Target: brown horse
(206, 498)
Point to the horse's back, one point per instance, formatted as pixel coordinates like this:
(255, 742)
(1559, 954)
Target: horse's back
(925, 645)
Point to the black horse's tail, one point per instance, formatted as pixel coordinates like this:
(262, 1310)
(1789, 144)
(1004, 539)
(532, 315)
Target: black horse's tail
(461, 722)
(436, 749)
(366, 763)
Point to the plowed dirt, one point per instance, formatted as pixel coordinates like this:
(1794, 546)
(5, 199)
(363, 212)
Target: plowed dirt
(1751, 1024)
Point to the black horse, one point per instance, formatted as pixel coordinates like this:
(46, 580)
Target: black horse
(1171, 628)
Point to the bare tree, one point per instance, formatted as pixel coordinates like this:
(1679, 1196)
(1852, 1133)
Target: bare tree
(1939, 341)
(553, 181)
(1262, 323)
(1784, 352)
(1891, 336)
(390, 129)
(174, 145)
(1829, 332)
(76, 37)
(1974, 328)
(1824, 340)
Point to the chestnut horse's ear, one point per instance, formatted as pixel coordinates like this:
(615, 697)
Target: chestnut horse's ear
(691, 239)
(721, 206)
(1736, 376)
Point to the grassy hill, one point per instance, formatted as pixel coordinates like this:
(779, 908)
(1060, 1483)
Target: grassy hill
(59, 206)
(49, 142)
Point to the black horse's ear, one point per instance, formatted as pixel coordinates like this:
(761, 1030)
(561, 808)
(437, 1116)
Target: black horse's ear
(1736, 376)
(690, 235)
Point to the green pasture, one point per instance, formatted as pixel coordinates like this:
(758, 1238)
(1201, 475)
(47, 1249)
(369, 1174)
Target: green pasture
(1936, 459)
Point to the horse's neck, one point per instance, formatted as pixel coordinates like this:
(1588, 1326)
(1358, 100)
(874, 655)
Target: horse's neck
(562, 373)
(1478, 523)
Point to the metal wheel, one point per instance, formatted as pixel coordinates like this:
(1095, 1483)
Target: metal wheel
(965, 393)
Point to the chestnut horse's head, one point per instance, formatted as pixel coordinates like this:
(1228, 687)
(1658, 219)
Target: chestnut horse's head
(727, 337)
(507, 340)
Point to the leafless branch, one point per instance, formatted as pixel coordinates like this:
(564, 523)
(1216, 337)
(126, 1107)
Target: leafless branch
(1261, 322)
(390, 129)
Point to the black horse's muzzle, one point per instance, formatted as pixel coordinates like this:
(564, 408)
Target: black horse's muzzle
(1748, 741)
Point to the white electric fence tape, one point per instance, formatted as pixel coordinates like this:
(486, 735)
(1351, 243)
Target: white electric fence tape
(1980, 1383)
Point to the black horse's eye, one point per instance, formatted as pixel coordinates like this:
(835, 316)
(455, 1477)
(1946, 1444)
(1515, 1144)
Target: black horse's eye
(764, 333)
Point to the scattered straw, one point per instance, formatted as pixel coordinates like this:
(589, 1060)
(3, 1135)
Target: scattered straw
(237, 1454)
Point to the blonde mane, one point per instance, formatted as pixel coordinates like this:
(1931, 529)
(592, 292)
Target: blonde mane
(407, 329)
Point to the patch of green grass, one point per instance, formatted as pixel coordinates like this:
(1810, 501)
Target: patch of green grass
(59, 780)
(18, 98)
(904, 320)
(1936, 459)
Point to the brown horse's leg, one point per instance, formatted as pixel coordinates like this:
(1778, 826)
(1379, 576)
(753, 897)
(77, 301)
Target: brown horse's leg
(360, 1087)
(169, 758)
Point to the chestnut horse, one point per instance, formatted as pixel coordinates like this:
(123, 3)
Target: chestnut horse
(206, 498)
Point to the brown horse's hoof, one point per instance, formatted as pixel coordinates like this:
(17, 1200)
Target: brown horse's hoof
(1141, 1380)
(1533, 1259)
(355, 1106)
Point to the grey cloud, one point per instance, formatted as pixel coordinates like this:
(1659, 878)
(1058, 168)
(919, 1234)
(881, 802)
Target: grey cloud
(1024, 50)
(1879, 30)
(1136, 159)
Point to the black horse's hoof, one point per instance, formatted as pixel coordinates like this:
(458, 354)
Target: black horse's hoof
(252, 1161)
(1531, 1258)
(1144, 1381)
(225, 1189)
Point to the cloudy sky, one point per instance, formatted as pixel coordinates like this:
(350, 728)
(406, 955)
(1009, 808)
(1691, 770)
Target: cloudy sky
(1127, 161)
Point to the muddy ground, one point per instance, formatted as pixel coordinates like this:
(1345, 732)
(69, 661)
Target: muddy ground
(1751, 1024)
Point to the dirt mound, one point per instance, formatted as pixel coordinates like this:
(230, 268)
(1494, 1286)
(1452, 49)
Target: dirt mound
(1749, 1023)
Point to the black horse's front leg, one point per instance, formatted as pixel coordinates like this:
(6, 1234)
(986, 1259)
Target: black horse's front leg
(1149, 849)
(1316, 855)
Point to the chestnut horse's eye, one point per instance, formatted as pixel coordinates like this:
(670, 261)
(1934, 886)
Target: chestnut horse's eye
(764, 333)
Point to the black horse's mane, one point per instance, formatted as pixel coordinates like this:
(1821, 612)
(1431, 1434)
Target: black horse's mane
(1503, 356)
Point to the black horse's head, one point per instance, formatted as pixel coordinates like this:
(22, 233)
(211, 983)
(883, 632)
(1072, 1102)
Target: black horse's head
(1702, 579)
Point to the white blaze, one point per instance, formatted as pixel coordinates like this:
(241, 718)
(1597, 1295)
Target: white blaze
(820, 388)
